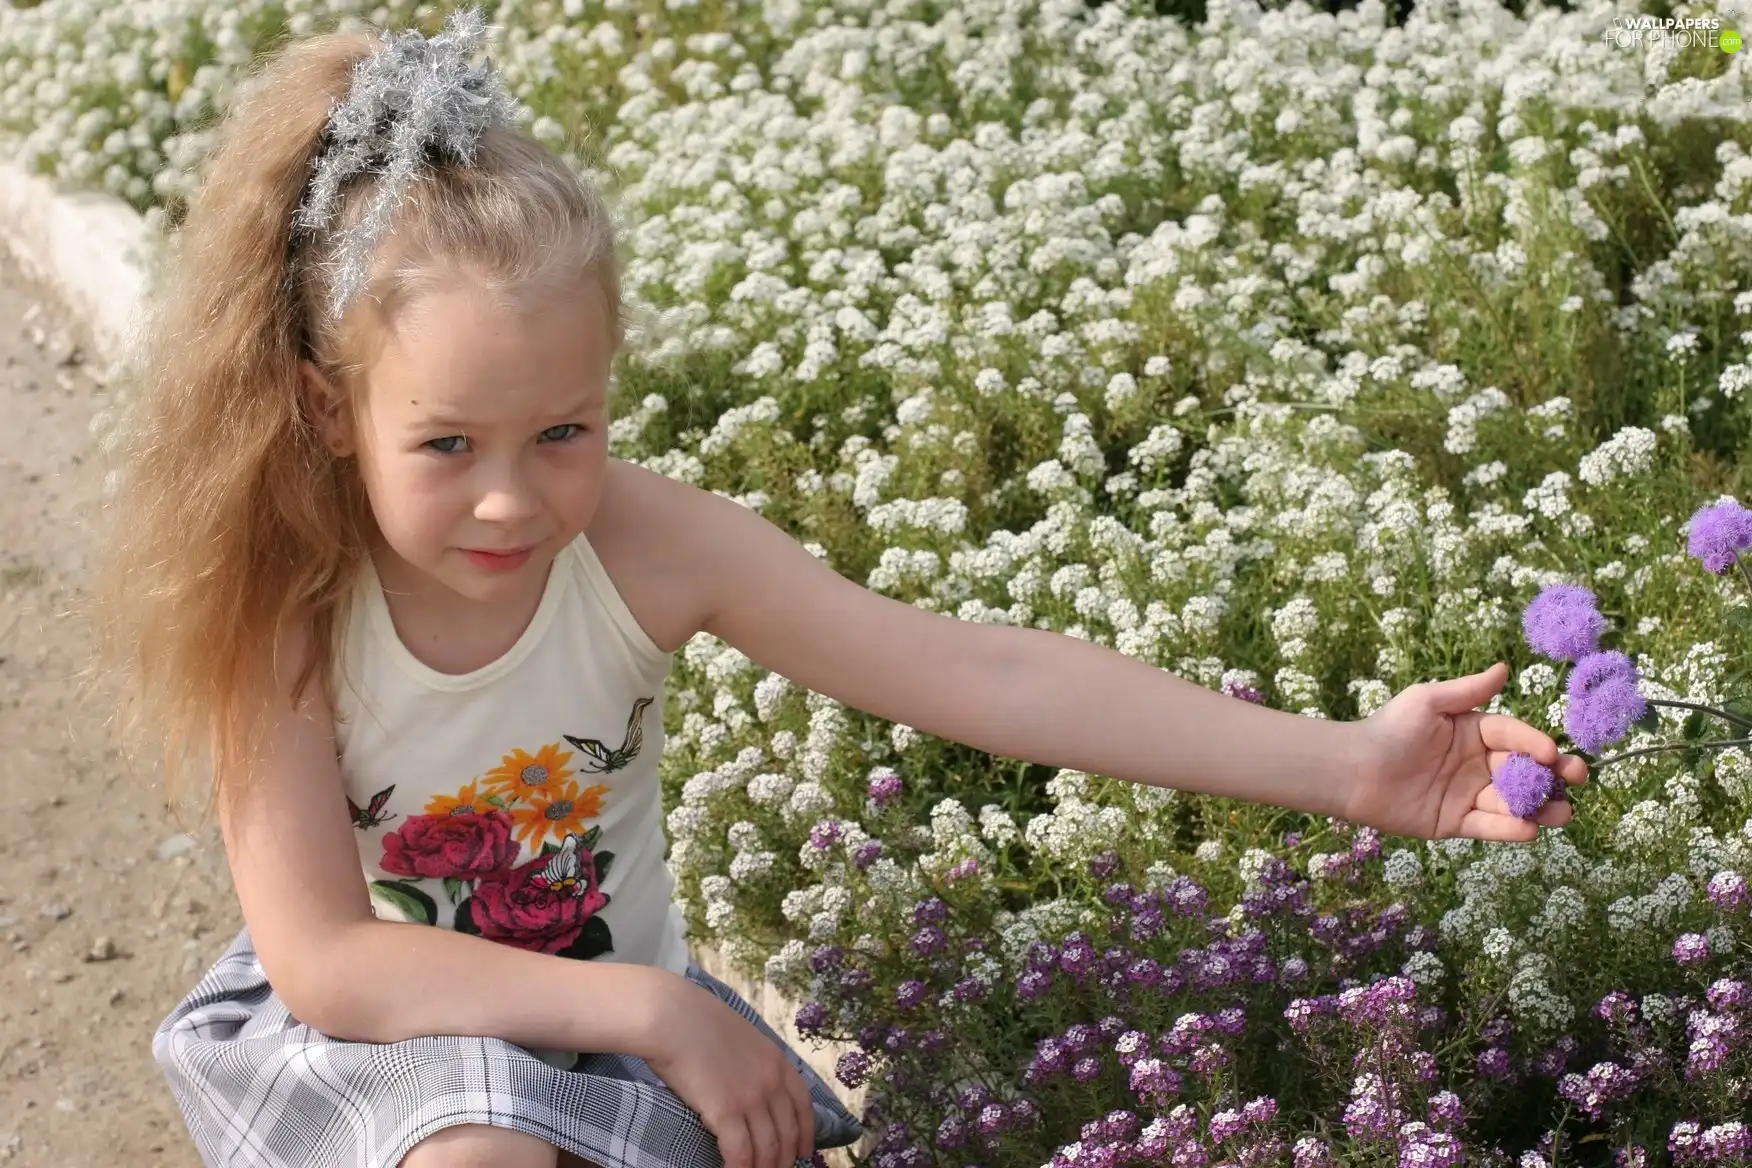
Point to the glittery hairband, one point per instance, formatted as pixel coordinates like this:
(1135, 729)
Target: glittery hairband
(411, 95)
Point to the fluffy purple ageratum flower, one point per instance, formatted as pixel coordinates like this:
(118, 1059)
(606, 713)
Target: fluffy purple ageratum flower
(1524, 784)
(1718, 533)
(1563, 623)
(1603, 702)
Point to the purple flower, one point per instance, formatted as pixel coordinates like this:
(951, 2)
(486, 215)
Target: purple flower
(1311, 1153)
(853, 1068)
(1494, 1063)
(885, 788)
(825, 834)
(961, 871)
(1726, 1142)
(952, 1133)
(929, 940)
(1728, 994)
(1245, 692)
(1603, 702)
(1605, 1083)
(1085, 1068)
(867, 854)
(811, 1018)
(911, 993)
(1562, 623)
(1718, 533)
(1524, 783)
(1727, 889)
(1446, 1111)
(1691, 948)
(1616, 1006)
(1033, 985)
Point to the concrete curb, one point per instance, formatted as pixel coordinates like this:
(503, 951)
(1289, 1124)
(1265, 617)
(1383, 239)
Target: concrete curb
(95, 253)
(93, 250)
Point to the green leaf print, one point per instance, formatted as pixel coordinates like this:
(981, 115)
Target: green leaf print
(603, 862)
(589, 838)
(405, 901)
(455, 889)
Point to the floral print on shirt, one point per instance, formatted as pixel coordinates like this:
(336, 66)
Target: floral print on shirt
(513, 848)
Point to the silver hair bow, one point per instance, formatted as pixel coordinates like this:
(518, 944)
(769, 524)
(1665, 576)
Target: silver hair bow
(406, 97)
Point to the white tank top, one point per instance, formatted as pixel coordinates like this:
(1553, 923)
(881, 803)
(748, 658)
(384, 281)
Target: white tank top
(519, 802)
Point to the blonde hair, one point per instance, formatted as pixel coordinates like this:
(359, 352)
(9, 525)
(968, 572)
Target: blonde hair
(229, 516)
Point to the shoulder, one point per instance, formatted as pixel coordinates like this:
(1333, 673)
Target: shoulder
(651, 533)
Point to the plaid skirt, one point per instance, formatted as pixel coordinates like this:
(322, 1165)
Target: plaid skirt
(260, 1089)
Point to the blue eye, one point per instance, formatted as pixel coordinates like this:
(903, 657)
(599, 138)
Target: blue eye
(549, 434)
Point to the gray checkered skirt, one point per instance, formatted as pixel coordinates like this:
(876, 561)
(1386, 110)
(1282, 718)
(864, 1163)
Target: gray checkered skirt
(260, 1089)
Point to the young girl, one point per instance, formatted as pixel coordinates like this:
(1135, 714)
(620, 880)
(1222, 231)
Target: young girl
(371, 452)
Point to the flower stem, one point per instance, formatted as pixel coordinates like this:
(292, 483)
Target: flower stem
(1600, 762)
(1744, 570)
(1723, 714)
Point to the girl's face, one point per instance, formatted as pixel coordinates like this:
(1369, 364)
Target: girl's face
(483, 428)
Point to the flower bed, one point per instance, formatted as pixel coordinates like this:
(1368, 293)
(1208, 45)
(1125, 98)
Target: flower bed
(1293, 353)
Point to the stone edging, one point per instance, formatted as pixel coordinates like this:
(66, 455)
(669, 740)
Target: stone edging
(94, 252)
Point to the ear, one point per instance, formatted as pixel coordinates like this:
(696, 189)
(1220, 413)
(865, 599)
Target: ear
(328, 410)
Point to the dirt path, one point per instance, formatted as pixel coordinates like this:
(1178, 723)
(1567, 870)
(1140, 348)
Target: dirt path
(107, 912)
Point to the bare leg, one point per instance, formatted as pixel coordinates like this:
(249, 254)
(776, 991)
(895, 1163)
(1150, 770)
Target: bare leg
(567, 1160)
(474, 1145)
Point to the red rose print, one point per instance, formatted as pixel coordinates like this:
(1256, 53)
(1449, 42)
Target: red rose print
(542, 905)
(463, 846)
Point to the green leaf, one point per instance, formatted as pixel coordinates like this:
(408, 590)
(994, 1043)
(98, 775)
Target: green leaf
(589, 838)
(603, 861)
(495, 801)
(1739, 618)
(549, 848)
(1650, 721)
(455, 889)
(405, 901)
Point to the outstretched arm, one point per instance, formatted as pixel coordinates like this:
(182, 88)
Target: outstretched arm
(1420, 766)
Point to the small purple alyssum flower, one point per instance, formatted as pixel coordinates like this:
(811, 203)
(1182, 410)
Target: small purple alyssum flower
(910, 994)
(885, 788)
(812, 1018)
(866, 854)
(1727, 889)
(1603, 701)
(1691, 948)
(1525, 784)
(1718, 534)
(853, 1068)
(1563, 623)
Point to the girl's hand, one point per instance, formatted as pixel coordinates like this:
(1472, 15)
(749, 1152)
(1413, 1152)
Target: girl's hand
(1427, 757)
(746, 1092)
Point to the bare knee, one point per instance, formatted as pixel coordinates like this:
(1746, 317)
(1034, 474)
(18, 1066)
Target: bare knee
(475, 1145)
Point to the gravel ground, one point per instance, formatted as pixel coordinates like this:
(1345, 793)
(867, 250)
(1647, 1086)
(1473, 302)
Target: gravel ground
(108, 912)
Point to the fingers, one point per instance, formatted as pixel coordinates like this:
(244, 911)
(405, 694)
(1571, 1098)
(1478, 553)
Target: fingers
(804, 1107)
(1570, 768)
(784, 1117)
(735, 1143)
(766, 1139)
(1505, 733)
(1504, 828)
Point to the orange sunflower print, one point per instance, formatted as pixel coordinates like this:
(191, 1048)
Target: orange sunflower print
(560, 809)
(523, 775)
(467, 801)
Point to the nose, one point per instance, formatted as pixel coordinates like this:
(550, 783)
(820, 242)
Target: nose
(506, 497)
